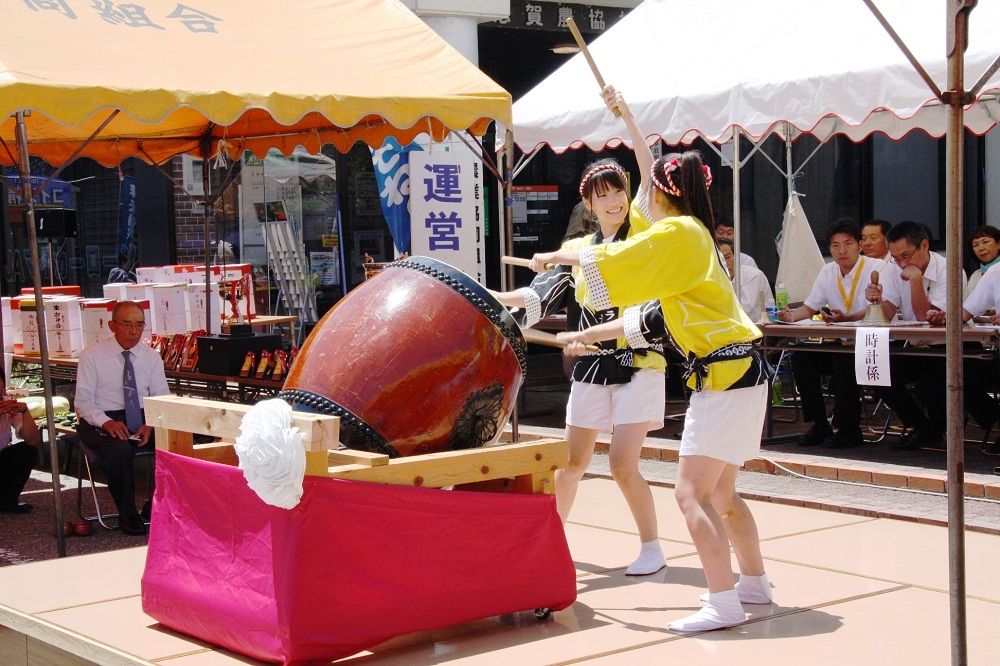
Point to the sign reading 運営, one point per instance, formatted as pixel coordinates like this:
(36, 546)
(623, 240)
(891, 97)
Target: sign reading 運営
(447, 215)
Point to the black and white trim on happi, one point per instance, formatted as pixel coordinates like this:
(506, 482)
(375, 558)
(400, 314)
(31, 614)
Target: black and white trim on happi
(532, 307)
(633, 327)
(595, 281)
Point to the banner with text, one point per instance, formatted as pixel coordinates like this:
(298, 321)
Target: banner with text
(446, 206)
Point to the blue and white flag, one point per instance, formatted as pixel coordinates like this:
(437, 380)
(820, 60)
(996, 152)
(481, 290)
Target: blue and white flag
(392, 174)
(126, 216)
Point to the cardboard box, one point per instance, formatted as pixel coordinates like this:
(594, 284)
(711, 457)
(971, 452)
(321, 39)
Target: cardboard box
(65, 343)
(15, 320)
(29, 320)
(196, 308)
(60, 290)
(148, 274)
(95, 313)
(8, 325)
(63, 313)
(126, 291)
(169, 306)
(61, 343)
(182, 273)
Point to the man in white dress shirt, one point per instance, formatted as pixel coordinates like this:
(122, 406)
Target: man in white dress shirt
(873, 239)
(980, 375)
(725, 229)
(101, 405)
(755, 290)
(838, 294)
(915, 283)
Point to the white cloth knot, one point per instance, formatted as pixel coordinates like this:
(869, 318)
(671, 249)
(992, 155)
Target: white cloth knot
(271, 453)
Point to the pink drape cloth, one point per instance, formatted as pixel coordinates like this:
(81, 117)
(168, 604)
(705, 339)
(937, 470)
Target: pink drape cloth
(351, 566)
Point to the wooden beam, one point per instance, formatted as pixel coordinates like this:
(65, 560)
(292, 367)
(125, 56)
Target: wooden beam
(436, 470)
(209, 417)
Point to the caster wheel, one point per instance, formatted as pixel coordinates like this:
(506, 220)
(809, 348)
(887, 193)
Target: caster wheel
(543, 613)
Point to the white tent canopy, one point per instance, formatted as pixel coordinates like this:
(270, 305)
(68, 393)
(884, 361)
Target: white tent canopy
(820, 66)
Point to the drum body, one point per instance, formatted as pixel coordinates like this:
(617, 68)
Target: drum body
(418, 359)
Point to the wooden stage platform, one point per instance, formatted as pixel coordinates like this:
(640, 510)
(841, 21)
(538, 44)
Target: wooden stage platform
(845, 587)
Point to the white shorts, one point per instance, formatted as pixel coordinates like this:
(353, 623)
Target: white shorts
(725, 425)
(602, 406)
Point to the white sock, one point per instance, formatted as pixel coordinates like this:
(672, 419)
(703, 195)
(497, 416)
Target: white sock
(751, 590)
(754, 589)
(650, 559)
(722, 610)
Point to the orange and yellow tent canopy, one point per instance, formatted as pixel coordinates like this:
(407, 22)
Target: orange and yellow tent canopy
(247, 75)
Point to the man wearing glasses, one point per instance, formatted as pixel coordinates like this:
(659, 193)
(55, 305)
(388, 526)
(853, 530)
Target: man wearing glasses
(916, 284)
(113, 378)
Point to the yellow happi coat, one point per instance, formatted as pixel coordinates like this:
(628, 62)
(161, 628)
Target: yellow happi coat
(676, 261)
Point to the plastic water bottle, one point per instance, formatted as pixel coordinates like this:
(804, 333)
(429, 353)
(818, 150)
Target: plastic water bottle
(780, 296)
(777, 392)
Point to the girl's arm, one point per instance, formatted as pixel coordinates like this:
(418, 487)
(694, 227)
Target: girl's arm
(643, 154)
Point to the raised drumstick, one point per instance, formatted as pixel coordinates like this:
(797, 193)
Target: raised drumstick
(590, 59)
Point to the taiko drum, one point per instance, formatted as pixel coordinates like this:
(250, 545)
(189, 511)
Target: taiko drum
(418, 359)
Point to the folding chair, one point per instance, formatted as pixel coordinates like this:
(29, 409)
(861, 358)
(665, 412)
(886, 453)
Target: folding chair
(87, 460)
(881, 430)
(783, 367)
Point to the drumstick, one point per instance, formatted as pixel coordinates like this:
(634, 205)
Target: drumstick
(590, 59)
(543, 338)
(524, 263)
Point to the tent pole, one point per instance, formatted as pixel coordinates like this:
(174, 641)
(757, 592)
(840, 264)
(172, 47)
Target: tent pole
(24, 169)
(789, 171)
(957, 29)
(206, 154)
(507, 276)
(737, 233)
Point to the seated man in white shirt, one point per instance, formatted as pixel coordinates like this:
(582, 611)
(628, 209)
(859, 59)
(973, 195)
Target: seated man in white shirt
(873, 239)
(838, 294)
(980, 375)
(724, 229)
(104, 412)
(755, 290)
(915, 283)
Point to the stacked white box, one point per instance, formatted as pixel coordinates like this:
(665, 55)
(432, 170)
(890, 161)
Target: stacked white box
(8, 325)
(236, 271)
(147, 316)
(15, 320)
(148, 274)
(126, 291)
(65, 343)
(115, 290)
(95, 313)
(182, 273)
(196, 308)
(198, 274)
(64, 326)
(63, 313)
(63, 330)
(169, 308)
(29, 326)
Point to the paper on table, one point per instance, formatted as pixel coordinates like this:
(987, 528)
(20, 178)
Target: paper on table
(894, 322)
(801, 322)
